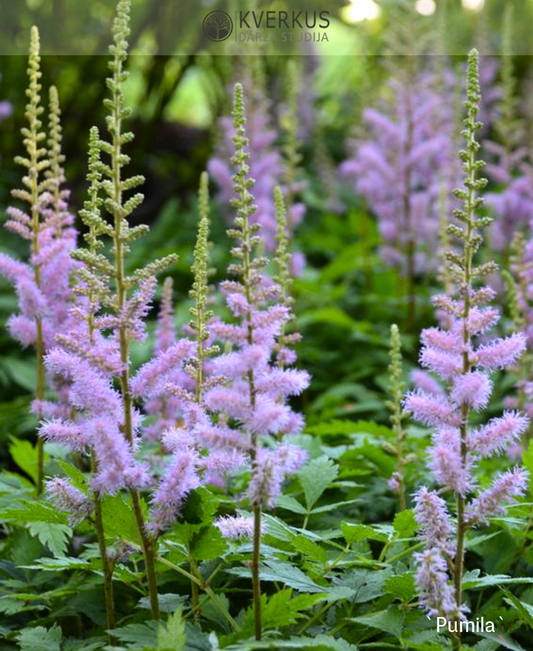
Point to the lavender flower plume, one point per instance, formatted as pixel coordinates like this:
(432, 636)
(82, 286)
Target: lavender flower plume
(267, 167)
(70, 499)
(436, 595)
(235, 527)
(397, 166)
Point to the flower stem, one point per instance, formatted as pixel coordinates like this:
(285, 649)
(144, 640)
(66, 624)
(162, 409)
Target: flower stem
(106, 566)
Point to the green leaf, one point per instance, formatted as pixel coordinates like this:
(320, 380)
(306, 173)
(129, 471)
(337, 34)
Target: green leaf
(293, 577)
(24, 454)
(33, 512)
(119, 519)
(524, 609)
(54, 564)
(502, 640)
(168, 601)
(390, 621)
(22, 372)
(139, 635)
(318, 643)
(315, 477)
(290, 504)
(401, 586)
(171, 634)
(55, 536)
(207, 544)
(359, 532)
(473, 580)
(19, 603)
(309, 548)
(77, 478)
(405, 524)
(200, 507)
(40, 639)
(527, 460)
(278, 610)
(366, 585)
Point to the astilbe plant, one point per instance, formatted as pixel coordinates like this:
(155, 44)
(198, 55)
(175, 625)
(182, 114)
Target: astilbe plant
(465, 365)
(42, 283)
(201, 450)
(268, 167)
(94, 356)
(253, 400)
(397, 165)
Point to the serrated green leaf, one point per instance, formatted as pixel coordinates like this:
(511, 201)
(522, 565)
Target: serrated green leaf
(309, 548)
(77, 478)
(55, 536)
(24, 454)
(390, 620)
(527, 460)
(405, 523)
(473, 580)
(207, 544)
(40, 639)
(401, 586)
(358, 532)
(366, 585)
(140, 635)
(290, 504)
(317, 643)
(33, 512)
(54, 564)
(118, 518)
(525, 610)
(315, 477)
(171, 634)
(19, 603)
(502, 640)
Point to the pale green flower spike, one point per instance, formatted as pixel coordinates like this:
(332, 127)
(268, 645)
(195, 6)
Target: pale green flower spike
(397, 392)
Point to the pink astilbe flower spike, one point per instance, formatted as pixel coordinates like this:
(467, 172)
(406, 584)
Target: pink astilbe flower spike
(235, 527)
(495, 500)
(432, 515)
(70, 499)
(472, 389)
(498, 434)
(436, 594)
(179, 479)
(43, 283)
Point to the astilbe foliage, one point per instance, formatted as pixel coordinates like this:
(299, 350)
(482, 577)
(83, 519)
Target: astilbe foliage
(42, 283)
(253, 400)
(464, 364)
